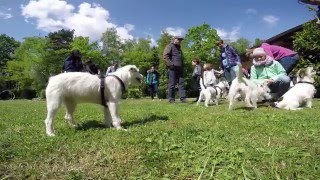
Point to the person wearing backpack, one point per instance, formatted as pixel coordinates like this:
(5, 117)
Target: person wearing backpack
(229, 59)
(73, 62)
(152, 80)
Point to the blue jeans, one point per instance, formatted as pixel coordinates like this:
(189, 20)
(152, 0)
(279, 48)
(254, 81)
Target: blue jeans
(154, 90)
(280, 85)
(176, 77)
(231, 73)
(289, 62)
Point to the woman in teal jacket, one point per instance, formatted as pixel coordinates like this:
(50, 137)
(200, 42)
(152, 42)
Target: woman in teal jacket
(266, 69)
(152, 81)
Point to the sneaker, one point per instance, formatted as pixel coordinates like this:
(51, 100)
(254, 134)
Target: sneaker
(171, 101)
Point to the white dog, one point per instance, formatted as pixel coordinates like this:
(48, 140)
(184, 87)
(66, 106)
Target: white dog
(78, 87)
(301, 93)
(251, 92)
(212, 92)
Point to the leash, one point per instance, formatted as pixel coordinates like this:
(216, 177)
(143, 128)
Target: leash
(102, 87)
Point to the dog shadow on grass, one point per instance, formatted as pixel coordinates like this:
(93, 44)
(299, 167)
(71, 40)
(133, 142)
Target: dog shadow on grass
(94, 124)
(144, 120)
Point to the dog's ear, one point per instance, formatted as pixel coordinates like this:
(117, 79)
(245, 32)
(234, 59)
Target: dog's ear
(133, 69)
(301, 73)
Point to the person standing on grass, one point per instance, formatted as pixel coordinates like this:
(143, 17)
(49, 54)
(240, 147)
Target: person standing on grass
(173, 59)
(73, 62)
(229, 59)
(115, 65)
(197, 71)
(152, 81)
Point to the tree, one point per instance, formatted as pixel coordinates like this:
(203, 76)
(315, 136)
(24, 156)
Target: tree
(7, 48)
(112, 47)
(27, 57)
(257, 42)
(139, 53)
(162, 42)
(200, 42)
(307, 44)
(241, 45)
(89, 51)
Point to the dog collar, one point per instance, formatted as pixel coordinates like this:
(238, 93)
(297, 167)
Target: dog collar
(305, 82)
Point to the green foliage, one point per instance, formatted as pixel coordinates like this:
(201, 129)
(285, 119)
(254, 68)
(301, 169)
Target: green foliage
(111, 45)
(135, 93)
(201, 42)
(163, 141)
(241, 45)
(27, 59)
(307, 44)
(7, 48)
(257, 42)
(89, 51)
(162, 42)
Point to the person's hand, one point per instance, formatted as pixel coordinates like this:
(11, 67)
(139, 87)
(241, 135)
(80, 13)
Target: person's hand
(221, 71)
(269, 81)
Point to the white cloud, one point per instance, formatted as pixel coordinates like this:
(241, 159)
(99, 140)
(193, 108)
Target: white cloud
(270, 20)
(232, 35)
(87, 20)
(177, 31)
(4, 13)
(251, 11)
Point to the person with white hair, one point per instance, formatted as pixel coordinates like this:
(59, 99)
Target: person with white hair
(266, 69)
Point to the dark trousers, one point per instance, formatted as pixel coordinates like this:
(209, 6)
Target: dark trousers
(289, 62)
(176, 77)
(153, 89)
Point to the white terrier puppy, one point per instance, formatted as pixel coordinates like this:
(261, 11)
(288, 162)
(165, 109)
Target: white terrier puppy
(252, 93)
(301, 93)
(212, 93)
(78, 87)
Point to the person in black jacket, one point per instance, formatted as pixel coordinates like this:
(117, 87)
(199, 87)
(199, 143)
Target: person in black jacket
(90, 67)
(173, 58)
(73, 63)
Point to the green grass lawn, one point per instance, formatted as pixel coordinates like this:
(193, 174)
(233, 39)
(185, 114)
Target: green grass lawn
(163, 141)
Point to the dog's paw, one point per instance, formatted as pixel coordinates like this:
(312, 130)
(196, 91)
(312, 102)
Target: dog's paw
(50, 134)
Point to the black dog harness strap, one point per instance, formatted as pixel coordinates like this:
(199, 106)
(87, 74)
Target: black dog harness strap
(102, 87)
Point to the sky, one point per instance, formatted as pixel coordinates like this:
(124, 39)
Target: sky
(233, 19)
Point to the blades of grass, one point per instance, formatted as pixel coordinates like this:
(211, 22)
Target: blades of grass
(204, 167)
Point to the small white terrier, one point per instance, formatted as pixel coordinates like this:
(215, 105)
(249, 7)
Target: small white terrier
(212, 92)
(78, 87)
(301, 93)
(252, 93)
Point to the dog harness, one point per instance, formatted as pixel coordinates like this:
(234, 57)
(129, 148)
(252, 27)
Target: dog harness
(305, 82)
(102, 87)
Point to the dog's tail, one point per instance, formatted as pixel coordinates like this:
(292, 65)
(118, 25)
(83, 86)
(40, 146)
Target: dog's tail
(240, 75)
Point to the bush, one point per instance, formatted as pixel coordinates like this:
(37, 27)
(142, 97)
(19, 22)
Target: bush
(28, 94)
(135, 93)
(307, 44)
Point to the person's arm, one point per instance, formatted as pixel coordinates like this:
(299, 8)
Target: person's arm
(267, 48)
(234, 52)
(254, 77)
(167, 55)
(279, 70)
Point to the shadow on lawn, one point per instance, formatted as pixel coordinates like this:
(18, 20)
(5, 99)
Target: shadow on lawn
(94, 124)
(149, 118)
